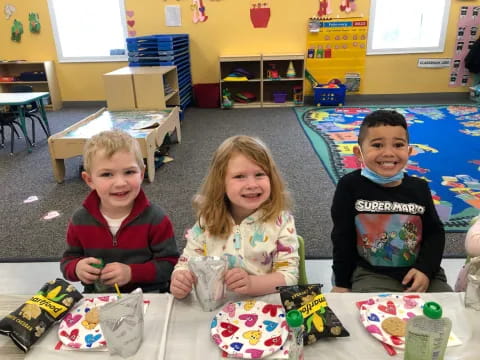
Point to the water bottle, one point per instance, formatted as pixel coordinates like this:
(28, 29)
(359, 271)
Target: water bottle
(427, 335)
(295, 324)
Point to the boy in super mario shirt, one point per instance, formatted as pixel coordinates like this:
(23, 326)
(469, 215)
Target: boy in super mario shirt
(387, 235)
(117, 225)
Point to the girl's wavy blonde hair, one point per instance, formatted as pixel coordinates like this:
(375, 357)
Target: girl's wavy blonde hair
(211, 202)
(111, 141)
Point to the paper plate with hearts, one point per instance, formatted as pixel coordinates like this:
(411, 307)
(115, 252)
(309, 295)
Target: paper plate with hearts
(379, 308)
(79, 329)
(250, 329)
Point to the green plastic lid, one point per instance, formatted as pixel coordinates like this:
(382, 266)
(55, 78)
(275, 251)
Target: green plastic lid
(99, 266)
(432, 310)
(294, 318)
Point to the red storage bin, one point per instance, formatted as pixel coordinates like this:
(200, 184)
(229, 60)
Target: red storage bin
(207, 95)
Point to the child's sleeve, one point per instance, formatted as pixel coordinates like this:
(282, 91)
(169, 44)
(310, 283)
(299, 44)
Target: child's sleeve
(72, 255)
(286, 259)
(343, 236)
(472, 240)
(195, 246)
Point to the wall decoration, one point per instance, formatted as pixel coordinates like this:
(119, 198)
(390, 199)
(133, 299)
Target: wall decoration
(17, 31)
(347, 6)
(131, 23)
(324, 8)
(34, 23)
(199, 11)
(467, 32)
(260, 14)
(8, 10)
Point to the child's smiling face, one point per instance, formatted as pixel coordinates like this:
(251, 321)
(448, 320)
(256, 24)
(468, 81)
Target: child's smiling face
(247, 186)
(385, 150)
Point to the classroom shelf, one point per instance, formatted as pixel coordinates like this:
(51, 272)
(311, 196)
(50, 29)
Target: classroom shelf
(263, 87)
(16, 68)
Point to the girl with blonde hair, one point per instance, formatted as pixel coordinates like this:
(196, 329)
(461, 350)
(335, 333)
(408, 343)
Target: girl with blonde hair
(242, 213)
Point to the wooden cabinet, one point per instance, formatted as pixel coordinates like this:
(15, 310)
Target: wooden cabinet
(145, 87)
(29, 73)
(270, 78)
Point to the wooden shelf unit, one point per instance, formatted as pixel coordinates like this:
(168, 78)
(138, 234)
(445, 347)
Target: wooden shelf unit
(142, 87)
(15, 68)
(260, 85)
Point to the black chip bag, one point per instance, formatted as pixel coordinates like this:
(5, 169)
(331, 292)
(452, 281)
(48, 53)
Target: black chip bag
(32, 319)
(319, 320)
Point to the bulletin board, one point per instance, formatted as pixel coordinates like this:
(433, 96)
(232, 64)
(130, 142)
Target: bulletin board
(467, 32)
(337, 49)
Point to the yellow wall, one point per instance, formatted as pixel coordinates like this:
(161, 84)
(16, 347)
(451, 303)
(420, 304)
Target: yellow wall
(227, 31)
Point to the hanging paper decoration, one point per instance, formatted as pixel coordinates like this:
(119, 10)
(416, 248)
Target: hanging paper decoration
(347, 6)
(131, 23)
(199, 10)
(17, 30)
(260, 14)
(324, 8)
(8, 10)
(34, 22)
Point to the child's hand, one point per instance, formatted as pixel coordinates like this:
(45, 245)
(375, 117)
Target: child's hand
(116, 273)
(238, 281)
(338, 289)
(86, 272)
(419, 281)
(182, 283)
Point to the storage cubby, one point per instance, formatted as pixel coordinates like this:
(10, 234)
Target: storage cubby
(11, 74)
(262, 84)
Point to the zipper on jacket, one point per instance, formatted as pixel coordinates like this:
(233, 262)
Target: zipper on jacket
(114, 239)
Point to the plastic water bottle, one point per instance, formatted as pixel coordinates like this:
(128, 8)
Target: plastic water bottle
(427, 335)
(295, 323)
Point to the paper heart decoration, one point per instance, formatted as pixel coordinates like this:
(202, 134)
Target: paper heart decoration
(270, 325)
(30, 199)
(130, 23)
(71, 320)
(130, 13)
(256, 354)
(373, 317)
(51, 215)
(250, 319)
(409, 303)
(271, 308)
(396, 340)
(249, 304)
(230, 329)
(389, 309)
(373, 329)
(90, 339)
(72, 336)
(236, 346)
(230, 309)
(277, 340)
(217, 339)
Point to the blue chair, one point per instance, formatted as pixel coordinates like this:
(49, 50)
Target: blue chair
(302, 273)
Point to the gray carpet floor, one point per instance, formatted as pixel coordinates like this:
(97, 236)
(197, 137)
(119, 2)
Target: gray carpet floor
(25, 236)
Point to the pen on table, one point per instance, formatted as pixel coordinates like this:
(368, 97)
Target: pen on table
(118, 290)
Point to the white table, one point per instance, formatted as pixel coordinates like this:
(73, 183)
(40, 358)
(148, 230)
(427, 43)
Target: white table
(189, 328)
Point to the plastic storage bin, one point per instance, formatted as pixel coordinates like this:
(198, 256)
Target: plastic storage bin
(329, 96)
(207, 95)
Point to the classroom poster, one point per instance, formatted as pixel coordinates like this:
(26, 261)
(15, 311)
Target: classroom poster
(467, 33)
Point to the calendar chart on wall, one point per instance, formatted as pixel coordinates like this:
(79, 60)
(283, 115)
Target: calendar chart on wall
(336, 49)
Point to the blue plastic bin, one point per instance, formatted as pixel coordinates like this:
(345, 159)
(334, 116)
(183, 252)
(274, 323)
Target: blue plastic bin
(329, 96)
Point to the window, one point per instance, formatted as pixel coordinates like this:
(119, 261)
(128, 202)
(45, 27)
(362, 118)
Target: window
(89, 30)
(407, 26)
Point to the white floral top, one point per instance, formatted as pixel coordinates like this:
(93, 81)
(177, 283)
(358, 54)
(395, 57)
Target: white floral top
(258, 247)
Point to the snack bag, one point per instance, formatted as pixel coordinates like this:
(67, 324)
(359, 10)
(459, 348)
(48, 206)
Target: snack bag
(31, 320)
(319, 319)
(122, 324)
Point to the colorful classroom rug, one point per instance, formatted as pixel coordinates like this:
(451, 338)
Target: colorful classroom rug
(446, 151)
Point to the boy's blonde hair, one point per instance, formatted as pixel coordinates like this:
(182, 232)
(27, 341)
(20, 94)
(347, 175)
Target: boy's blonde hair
(111, 142)
(211, 202)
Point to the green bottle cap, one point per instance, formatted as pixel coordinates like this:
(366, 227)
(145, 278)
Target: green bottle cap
(99, 266)
(432, 310)
(294, 318)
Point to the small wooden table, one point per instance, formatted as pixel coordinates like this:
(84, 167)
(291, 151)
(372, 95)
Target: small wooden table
(149, 127)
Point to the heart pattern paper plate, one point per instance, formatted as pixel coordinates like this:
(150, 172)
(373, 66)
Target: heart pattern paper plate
(379, 308)
(78, 331)
(250, 329)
